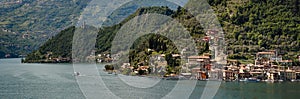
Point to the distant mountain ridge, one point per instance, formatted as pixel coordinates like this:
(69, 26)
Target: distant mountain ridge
(29, 23)
(35, 21)
(127, 9)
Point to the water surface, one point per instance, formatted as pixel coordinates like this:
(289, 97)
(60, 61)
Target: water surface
(48, 81)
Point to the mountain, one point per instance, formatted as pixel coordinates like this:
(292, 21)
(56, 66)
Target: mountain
(127, 9)
(106, 35)
(32, 22)
(26, 24)
(250, 26)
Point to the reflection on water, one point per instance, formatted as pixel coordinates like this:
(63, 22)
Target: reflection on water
(57, 81)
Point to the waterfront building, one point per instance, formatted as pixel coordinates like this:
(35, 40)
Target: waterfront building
(243, 72)
(201, 66)
(231, 70)
(229, 75)
(284, 64)
(142, 70)
(297, 74)
(290, 74)
(256, 70)
(125, 65)
(264, 58)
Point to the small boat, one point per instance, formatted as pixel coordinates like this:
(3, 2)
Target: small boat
(293, 80)
(257, 80)
(244, 79)
(76, 73)
(268, 80)
(253, 80)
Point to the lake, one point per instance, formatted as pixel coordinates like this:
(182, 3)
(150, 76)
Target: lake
(48, 81)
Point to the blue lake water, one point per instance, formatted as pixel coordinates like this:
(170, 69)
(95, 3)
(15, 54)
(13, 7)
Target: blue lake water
(48, 81)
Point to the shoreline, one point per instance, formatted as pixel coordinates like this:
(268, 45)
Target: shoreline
(175, 78)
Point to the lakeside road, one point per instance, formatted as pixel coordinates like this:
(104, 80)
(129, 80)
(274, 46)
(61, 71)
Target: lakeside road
(50, 81)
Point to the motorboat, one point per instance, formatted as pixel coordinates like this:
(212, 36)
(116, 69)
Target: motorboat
(76, 73)
(243, 79)
(293, 80)
(253, 80)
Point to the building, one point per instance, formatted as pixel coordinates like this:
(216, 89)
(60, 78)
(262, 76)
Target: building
(212, 32)
(125, 65)
(231, 70)
(284, 64)
(203, 60)
(290, 74)
(215, 74)
(142, 70)
(229, 75)
(264, 58)
(232, 63)
(199, 74)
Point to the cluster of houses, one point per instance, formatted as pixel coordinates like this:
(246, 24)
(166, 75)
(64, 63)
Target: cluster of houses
(50, 59)
(196, 67)
(157, 66)
(267, 67)
(101, 58)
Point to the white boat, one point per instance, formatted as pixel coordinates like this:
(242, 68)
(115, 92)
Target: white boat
(269, 80)
(76, 73)
(293, 80)
(253, 80)
(242, 80)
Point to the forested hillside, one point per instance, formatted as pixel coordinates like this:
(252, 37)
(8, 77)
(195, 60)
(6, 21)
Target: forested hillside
(250, 26)
(59, 46)
(260, 25)
(106, 35)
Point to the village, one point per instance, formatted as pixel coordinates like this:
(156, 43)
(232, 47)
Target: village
(268, 66)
